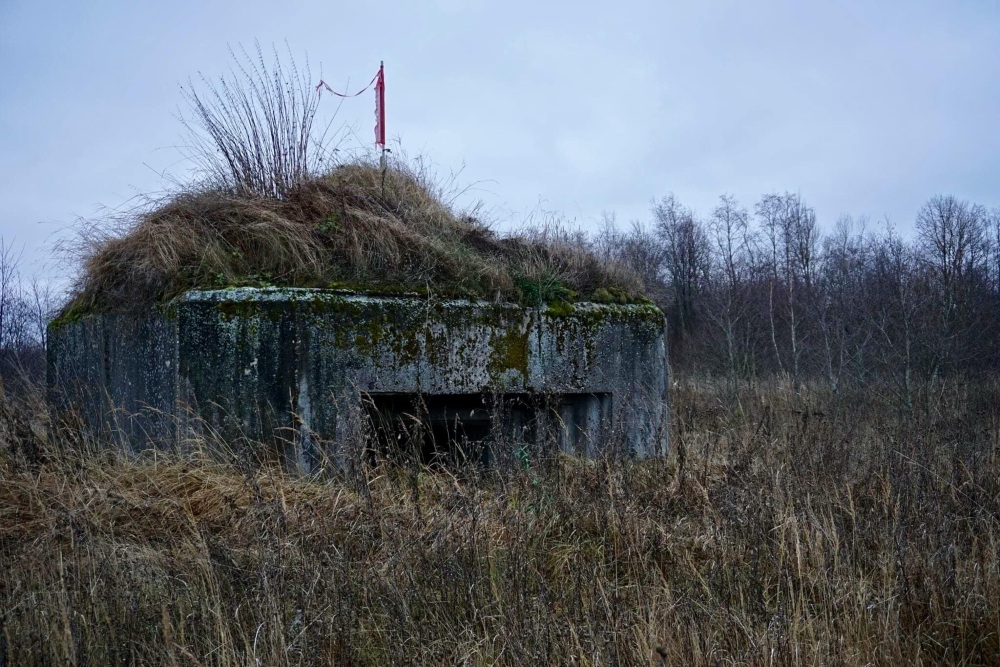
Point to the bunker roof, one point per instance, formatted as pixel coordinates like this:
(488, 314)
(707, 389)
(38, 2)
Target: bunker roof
(354, 227)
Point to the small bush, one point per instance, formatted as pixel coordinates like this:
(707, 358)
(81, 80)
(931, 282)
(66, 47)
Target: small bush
(251, 132)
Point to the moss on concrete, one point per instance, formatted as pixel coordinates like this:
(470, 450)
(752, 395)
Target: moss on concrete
(248, 358)
(69, 315)
(508, 352)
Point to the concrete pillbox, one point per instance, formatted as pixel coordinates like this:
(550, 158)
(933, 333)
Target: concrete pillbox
(304, 371)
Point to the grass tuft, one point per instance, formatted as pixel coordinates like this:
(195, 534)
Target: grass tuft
(348, 226)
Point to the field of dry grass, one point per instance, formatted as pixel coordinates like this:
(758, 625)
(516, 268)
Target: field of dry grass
(782, 530)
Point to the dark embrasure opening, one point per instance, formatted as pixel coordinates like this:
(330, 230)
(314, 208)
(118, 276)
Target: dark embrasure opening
(460, 429)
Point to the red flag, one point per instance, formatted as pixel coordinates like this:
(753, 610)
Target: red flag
(380, 106)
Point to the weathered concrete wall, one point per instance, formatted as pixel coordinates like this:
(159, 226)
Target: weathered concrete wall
(294, 364)
(118, 375)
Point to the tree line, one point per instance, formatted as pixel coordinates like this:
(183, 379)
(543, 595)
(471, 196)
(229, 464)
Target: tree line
(763, 292)
(757, 293)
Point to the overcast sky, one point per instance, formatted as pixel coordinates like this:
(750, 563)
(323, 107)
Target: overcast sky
(864, 108)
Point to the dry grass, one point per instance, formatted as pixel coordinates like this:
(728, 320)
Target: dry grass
(783, 532)
(344, 228)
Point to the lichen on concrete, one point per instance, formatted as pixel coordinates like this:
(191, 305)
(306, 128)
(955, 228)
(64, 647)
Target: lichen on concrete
(264, 363)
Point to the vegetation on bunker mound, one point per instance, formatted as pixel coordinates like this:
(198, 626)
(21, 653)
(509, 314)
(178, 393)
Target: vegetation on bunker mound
(274, 206)
(393, 239)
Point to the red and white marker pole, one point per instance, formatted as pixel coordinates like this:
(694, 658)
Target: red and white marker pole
(380, 110)
(379, 82)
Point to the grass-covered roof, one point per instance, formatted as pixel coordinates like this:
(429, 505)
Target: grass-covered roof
(352, 226)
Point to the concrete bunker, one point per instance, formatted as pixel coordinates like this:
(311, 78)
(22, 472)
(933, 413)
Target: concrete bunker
(325, 377)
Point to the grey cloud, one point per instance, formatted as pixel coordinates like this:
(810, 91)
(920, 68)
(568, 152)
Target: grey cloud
(861, 107)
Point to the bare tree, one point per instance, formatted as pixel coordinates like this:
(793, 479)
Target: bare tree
(11, 307)
(769, 211)
(952, 239)
(732, 303)
(897, 308)
(789, 228)
(844, 271)
(687, 254)
(21, 348)
(953, 243)
(42, 303)
(992, 231)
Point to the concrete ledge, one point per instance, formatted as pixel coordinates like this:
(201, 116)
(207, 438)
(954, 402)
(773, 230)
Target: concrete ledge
(293, 367)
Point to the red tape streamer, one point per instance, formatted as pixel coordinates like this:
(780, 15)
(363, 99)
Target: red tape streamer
(379, 81)
(323, 85)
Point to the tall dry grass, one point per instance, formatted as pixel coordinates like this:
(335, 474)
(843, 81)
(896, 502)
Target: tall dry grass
(354, 226)
(784, 529)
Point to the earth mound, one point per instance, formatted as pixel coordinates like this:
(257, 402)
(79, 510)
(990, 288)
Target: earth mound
(353, 227)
